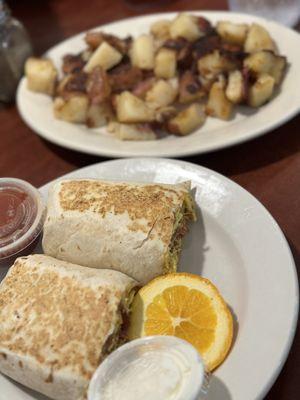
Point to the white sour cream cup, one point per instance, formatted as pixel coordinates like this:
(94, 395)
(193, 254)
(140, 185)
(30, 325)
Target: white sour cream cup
(151, 368)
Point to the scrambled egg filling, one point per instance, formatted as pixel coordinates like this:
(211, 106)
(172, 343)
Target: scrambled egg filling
(119, 335)
(182, 217)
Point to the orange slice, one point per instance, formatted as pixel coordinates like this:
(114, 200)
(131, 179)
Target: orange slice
(186, 306)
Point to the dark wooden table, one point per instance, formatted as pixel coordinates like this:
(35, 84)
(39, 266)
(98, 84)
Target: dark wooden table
(268, 167)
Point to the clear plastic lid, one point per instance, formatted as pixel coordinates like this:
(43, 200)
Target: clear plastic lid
(151, 368)
(21, 216)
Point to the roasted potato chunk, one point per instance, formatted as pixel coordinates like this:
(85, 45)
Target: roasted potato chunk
(163, 114)
(161, 94)
(185, 26)
(236, 90)
(232, 33)
(74, 109)
(187, 120)
(131, 131)
(261, 91)
(142, 52)
(260, 61)
(218, 104)
(258, 38)
(165, 64)
(41, 75)
(278, 70)
(104, 56)
(161, 29)
(266, 62)
(131, 109)
(213, 64)
(99, 115)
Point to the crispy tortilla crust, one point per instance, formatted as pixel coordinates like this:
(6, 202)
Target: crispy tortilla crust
(124, 226)
(55, 320)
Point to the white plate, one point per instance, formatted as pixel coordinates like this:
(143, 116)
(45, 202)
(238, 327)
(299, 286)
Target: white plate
(239, 246)
(36, 109)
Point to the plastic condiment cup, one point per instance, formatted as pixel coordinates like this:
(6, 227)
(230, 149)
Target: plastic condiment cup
(22, 214)
(151, 368)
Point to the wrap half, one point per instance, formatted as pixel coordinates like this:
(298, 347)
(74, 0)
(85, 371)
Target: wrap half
(58, 321)
(135, 228)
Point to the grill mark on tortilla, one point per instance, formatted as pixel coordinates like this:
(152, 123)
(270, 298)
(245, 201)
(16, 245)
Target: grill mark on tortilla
(59, 318)
(49, 378)
(142, 203)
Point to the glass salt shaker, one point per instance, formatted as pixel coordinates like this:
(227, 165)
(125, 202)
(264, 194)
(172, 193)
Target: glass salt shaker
(15, 47)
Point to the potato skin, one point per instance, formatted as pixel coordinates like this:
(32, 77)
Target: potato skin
(41, 75)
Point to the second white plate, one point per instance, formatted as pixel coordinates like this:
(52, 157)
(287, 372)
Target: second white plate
(36, 109)
(239, 246)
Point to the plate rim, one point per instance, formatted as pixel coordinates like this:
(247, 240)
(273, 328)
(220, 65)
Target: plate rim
(114, 153)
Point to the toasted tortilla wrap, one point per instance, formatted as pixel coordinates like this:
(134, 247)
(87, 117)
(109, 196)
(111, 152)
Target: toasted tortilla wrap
(133, 228)
(58, 321)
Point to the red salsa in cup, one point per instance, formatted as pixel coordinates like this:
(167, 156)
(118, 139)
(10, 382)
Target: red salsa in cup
(21, 218)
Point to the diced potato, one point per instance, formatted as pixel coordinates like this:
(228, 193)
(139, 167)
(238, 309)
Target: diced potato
(260, 62)
(187, 120)
(261, 91)
(185, 26)
(98, 115)
(266, 62)
(232, 33)
(86, 55)
(41, 75)
(161, 29)
(163, 114)
(73, 109)
(235, 90)
(104, 56)
(130, 109)
(211, 65)
(142, 52)
(218, 105)
(165, 63)
(161, 94)
(258, 38)
(278, 69)
(131, 131)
